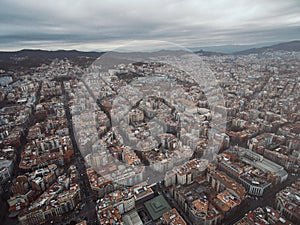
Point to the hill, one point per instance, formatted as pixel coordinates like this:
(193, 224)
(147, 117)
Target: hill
(286, 46)
(28, 58)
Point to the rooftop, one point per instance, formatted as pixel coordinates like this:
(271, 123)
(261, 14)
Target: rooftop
(172, 217)
(157, 207)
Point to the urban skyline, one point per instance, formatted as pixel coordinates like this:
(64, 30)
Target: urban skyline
(171, 112)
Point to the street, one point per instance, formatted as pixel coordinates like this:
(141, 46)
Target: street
(266, 200)
(89, 211)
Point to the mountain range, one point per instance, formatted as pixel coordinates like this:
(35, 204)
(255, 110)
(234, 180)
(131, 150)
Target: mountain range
(244, 49)
(28, 58)
(287, 46)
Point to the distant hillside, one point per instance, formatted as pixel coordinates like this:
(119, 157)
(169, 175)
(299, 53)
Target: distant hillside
(286, 46)
(28, 58)
(208, 53)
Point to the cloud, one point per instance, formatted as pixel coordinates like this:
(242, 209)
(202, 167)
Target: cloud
(91, 24)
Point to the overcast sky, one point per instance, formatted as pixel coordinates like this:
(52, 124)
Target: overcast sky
(107, 24)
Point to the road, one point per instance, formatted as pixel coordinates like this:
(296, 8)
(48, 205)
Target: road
(89, 211)
(4, 215)
(267, 200)
(248, 204)
(172, 202)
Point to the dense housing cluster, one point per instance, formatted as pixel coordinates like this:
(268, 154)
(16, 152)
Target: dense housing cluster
(146, 143)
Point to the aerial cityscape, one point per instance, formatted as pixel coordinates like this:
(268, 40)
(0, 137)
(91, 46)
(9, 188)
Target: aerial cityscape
(132, 130)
